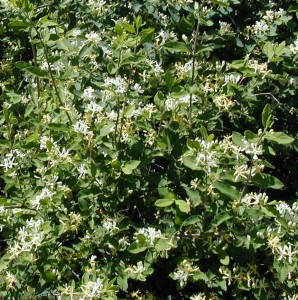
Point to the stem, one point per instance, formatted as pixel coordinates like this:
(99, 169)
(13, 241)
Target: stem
(17, 206)
(193, 77)
(127, 89)
(118, 105)
(204, 234)
(48, 64)
(35, 63)
(117, 122)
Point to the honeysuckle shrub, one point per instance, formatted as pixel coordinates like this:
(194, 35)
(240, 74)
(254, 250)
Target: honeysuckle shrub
(148, 149)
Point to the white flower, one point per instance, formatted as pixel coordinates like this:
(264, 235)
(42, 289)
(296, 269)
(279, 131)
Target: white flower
(76, 32)
(8, 163)
(206, 157)
(171, 103)
(10, 280)
(223, 102)
(284, 208)
(93, 37)
(243, 171)
(151, 234)
(294, 47)
(138, 88)
(93, 289)
(82, 171)
(81, 127)
(200, 296)
(252, 199)
(225, 27)
(232, 78)
(88, 93)
(285, 252)
(260, 27)
(44, 194)
(119, 83)
(184, 270)
(44, 141)
(226, 274)
(258, 67)
(136, 272)
(252, 148)
(163, 36)
(109, 225)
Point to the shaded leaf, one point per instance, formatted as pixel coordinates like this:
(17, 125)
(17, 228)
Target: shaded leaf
(266, 116)
(136, 247)
(19, 24)
(221, 218)
(130, 166)
(267, 181)
(227, 190)
(176, 47)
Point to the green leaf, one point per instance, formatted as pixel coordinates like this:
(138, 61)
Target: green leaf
(266, 116)
(279, 137)
(223, 257)
(63, 44)
(268, 50)
(220, 218)
(194, 195)
(128, 27)
(48, 23)
(279, 48)
(193, 220)
(267, 181)
(58, 127)
(227, 190)
(200, 276)
(237, 139)
(204, 132)
(19, 25)
(138, 22)
(85, 50)
(146, 35)
(164, 202)
(83, 204)
(221, 3)
(183, 206)
(269, 211)
(176, 47)
(32, 70)
(162, 245)
(122, 281)
(204, 48)
(4, 143)
(130, 166)
(136, 247)
(190, 161)
(49, 276)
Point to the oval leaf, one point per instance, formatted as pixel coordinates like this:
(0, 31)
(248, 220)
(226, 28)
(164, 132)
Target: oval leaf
(176, 47)
(130, 166)
(164, 202)
(279, 137)
(183, 206)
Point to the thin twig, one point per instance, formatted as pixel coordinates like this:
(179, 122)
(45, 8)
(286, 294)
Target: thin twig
(16, 206)
(193, 77)
(49, 67)
(204, 234)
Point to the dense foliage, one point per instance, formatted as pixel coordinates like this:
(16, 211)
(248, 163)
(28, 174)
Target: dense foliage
(148, 149)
